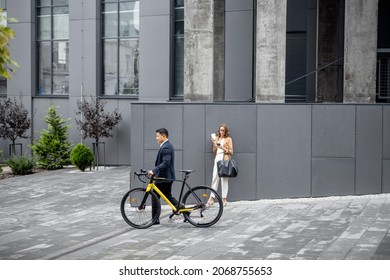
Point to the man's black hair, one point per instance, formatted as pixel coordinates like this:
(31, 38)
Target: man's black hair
(163, 131)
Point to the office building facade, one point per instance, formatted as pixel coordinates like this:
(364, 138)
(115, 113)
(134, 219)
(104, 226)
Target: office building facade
(303, 84)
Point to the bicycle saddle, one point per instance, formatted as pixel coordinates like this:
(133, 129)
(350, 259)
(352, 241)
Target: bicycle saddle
(186, 171)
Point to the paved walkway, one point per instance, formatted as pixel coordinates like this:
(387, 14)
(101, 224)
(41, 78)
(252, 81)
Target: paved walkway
(67, 214)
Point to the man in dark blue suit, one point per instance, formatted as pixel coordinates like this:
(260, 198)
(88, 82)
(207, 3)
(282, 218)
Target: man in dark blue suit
(164, 166)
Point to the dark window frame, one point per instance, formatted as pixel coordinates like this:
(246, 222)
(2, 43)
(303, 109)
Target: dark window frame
(383, 76)
(118, 38)
(51, 41)
(177, 94)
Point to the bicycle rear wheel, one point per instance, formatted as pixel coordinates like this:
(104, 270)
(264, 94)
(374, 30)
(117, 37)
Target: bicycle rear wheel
(136, 216)
(202, 215)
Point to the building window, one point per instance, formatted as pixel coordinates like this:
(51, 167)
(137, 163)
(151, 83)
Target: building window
(53, 47)
(120, 44)
(383, 54)
(3, 16)
(383, 78)
(179, 49)
(295, 67)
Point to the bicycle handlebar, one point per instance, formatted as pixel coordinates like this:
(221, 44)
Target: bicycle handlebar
(143, 172)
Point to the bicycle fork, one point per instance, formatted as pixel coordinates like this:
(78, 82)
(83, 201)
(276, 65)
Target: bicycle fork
(143, 202)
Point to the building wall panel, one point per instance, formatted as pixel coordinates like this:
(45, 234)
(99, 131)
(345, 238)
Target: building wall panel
(368, 149)
(283, 151)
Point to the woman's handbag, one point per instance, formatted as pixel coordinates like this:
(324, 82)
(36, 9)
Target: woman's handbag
(227, 168)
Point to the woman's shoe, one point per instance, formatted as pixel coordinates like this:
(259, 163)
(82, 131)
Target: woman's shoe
(210, 202)
(224, 201)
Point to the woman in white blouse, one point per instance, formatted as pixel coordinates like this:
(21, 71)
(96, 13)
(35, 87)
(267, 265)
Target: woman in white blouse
(222, 147)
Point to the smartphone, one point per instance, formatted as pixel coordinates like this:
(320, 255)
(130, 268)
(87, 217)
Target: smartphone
(213, 136)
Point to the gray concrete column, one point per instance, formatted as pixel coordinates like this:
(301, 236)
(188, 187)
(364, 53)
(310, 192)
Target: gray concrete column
(360, 52)
(271, 50)
(329, 28)
(204, 45)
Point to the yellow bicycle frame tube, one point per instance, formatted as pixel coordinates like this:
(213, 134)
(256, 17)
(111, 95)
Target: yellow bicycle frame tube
(154, 187)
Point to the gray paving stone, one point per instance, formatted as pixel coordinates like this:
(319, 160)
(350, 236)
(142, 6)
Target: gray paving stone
(68, 214)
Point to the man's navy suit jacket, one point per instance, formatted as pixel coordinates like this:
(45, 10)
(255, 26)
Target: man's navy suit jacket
(165, 162)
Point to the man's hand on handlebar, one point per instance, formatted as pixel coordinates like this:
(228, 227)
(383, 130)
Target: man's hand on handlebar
(150, 173)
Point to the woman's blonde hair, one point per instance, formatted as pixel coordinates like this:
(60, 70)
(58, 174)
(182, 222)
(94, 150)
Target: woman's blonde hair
(227, 133)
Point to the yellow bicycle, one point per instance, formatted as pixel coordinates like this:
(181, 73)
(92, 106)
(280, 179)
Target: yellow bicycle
(136, 205)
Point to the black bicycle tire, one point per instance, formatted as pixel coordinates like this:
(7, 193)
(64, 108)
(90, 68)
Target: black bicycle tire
(132, 223)
(217, 200)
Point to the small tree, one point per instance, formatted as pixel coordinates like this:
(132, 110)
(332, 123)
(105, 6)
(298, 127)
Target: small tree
(14, 120)
(53, 147)
(95, 122)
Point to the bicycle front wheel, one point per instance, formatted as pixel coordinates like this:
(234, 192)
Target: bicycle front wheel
(136, 215)
(202, 214)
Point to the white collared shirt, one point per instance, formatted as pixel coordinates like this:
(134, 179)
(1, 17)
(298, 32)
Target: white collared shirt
(220, 150)
(163, 143)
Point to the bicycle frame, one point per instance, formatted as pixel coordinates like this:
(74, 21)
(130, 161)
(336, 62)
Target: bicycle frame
(152, 186)
(141, 207)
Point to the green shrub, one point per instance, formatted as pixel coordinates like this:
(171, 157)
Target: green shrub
(81, 156)
(21, 165)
